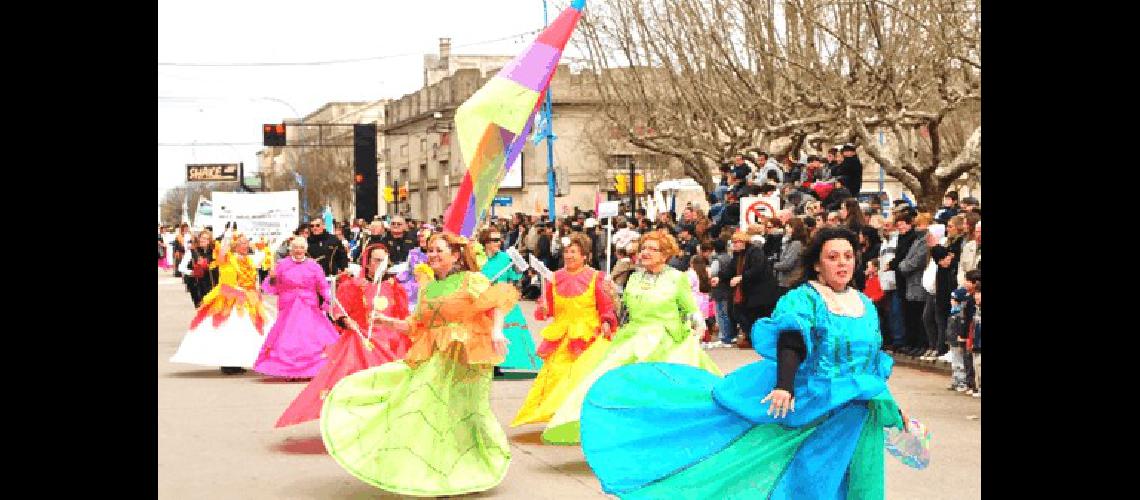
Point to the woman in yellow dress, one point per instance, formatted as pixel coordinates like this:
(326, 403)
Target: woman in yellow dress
(237, 318)
(583, 315)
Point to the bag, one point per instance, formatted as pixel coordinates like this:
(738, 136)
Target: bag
(873, 290)
(201, 267)
(929, 275)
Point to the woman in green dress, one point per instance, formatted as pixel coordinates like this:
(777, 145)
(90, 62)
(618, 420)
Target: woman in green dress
(423, 426)
(663, 317)
(521, 353)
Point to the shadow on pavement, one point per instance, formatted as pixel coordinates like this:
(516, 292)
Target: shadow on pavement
(302, 446)
(265, 379)
(214, 373)
(574, 467)
(532, 437)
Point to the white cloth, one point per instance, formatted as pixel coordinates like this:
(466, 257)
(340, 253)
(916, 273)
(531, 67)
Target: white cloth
(929, 275)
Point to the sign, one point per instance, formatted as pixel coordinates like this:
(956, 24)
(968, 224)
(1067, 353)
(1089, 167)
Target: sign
(754, 207)
(212, 172)
(272, 215)
(203, 214)
(608, 209)
(502, 201)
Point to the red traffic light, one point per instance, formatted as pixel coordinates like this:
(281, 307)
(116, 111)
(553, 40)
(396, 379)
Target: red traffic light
(273, 134)
(359, 178)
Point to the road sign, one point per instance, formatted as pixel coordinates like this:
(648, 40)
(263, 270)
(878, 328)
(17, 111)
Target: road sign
(502, 201)
(754, 207)
(212, 172)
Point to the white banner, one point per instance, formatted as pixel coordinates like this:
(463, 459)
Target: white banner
(203, 214)
(270, 215)
(752, 207)
(608, 209)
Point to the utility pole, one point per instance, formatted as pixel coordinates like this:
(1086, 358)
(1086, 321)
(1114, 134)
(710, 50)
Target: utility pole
(632, 189)
(549, 136)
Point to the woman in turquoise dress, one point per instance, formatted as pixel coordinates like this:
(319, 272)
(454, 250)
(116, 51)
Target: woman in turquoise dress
(423, 426)
(663, 317)
(804, 422)
(521, 351)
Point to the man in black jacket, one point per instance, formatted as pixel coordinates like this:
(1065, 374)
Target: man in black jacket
(326, 249)
(850, 172)
(398, 241)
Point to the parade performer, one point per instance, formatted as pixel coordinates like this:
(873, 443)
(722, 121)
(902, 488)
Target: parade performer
(363, 342)
(237, 319)
(406, 278)
(499, 269)
(663, 317)
(583, 316)
(806, 421)
(295, 346)
(423, 426)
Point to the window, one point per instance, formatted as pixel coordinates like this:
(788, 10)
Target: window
(404, 151)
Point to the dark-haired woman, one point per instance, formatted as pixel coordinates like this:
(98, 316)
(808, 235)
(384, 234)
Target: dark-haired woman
(806, 421)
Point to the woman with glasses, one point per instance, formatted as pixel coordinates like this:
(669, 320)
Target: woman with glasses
(664, 325)
(295, 346)
(229, 328)
(364, 340)
(500, 269)
(423, 426)
(805, 421)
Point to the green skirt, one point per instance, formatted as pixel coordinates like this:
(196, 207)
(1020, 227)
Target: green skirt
(423, 431)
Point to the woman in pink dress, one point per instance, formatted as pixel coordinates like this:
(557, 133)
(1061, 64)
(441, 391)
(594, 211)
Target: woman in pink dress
(358, 347)
(295, 346)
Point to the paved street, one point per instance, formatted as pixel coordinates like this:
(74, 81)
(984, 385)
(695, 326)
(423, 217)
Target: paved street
(216, 438)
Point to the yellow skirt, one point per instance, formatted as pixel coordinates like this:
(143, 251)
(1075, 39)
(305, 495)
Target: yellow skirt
(555, 381)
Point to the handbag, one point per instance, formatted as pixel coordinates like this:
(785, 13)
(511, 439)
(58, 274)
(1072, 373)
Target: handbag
(873, 289)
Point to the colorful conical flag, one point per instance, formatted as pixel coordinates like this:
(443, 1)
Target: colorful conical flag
(493, 124)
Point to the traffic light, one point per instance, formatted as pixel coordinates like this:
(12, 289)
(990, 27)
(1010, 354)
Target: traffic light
(639, 184)
(273, 134)
(364, 170)
(403, 193)
(622, 184)
(388, 195)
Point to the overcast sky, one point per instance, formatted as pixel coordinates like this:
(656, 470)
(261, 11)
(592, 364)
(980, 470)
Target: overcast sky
(198, 105)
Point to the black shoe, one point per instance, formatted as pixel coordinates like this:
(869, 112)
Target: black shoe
(232, 370)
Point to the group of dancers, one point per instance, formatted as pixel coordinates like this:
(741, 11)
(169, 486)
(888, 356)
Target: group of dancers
(401, 359)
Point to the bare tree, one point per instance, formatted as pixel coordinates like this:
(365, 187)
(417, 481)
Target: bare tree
(700, 80)
(327, 173)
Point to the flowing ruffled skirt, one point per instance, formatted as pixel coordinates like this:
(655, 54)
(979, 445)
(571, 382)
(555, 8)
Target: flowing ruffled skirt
(660, 430)
(226, 330)
(296, 343)
(640, 343)
(555, 381)
(422, 431)
(350, 354)
(521, 353)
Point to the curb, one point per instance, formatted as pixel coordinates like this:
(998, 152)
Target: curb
(930, 366)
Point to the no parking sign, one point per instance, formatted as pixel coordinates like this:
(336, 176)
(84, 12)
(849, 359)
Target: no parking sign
(754, 207)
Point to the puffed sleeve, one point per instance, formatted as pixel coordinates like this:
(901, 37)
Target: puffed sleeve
(604, 303)
(267, 286)
(488, 296)
(322, 286)
(685, 300)
(795, 311)
(348, 296)
(399, 307)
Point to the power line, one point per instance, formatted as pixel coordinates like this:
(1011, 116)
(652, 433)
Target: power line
(334, 61)
(196, 144)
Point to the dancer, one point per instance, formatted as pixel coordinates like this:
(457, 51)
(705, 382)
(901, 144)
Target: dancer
(583, 316)
(363, 342)
(423, 426)
(806, 421)
(499, 269)
(662, 319)
(233, 336)
(406, 277)
(294, 348)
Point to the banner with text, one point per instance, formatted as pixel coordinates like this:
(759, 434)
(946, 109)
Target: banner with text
(270, 215)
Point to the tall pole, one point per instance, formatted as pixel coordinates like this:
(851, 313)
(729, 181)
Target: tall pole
(632, 190)
(546, 112)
